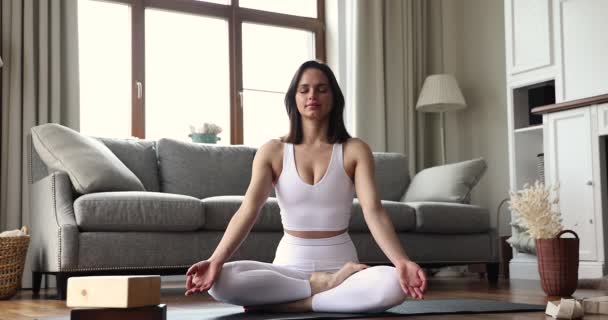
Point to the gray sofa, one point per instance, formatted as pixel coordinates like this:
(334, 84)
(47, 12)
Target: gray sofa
(192, 191)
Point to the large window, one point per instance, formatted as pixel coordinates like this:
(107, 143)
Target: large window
(105, 69)
(153, 68)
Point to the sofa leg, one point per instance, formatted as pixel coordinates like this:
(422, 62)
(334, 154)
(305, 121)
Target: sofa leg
(62, 284)
(492, 271)
(36, 281)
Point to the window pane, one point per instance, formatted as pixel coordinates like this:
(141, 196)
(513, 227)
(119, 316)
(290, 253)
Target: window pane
(265, 117)
(187, 74)
(105, 68)
(305, 8)
(226, 2)
(271, 55)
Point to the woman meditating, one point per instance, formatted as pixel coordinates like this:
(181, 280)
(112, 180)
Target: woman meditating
(315, 170)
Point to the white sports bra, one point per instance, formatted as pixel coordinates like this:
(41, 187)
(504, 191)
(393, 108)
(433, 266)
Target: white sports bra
(324, 206)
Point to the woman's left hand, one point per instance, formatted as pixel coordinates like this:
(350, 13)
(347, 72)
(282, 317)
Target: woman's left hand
(412, 279)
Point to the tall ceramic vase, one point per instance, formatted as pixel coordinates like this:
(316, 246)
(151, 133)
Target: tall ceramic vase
(558, 264)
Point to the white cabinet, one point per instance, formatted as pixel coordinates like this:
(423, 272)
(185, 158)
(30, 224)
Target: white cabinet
(569, 154)
(528, 34)
(584, 47)
(602, 119)
(575, 161)
(560, 43)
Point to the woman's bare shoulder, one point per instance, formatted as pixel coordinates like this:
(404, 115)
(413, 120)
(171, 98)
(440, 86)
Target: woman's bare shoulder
(271, 149)
(356, 147)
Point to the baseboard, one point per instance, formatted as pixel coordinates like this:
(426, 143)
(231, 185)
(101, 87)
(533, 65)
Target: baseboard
(26, 281)
(524, 266)
(591, 270)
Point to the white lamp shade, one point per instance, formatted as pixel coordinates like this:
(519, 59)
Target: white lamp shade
(1, 63)
(440, 93)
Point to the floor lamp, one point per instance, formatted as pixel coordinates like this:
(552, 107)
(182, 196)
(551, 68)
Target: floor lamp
(440, 93)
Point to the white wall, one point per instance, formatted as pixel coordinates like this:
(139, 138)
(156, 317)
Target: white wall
(470, 36)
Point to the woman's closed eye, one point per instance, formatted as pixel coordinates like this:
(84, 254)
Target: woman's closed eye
(321, 88)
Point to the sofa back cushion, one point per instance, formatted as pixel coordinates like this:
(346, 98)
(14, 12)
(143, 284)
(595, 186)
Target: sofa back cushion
(219, 210)
(204, 170)
(91, 166)
(139, 156)
(402, 216)
(391, 174)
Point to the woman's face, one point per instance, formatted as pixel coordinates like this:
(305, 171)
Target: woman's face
(313, 95)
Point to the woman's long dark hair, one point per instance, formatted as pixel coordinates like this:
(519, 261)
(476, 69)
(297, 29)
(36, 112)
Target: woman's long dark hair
(336, 132)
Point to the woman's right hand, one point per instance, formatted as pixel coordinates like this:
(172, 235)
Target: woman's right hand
(201, 276)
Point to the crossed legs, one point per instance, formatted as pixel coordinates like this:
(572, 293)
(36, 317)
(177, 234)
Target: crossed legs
(264, 286)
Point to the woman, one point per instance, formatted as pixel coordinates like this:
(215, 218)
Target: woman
(315, 170)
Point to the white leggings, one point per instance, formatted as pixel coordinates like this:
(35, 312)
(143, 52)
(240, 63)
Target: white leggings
(250, 283)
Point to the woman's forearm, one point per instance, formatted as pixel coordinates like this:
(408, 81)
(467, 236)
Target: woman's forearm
(236, 232)
(383, 231)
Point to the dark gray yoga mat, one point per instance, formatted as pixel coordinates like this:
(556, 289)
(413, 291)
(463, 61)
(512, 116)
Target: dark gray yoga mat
(410, 307)
(413, 307)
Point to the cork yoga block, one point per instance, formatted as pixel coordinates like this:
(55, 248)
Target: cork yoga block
(113, 291)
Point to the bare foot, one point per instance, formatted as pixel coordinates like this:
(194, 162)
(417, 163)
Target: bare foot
(323, 281)
(319, 282)
(304, 305)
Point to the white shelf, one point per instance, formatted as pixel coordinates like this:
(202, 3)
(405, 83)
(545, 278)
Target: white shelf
(537, 128)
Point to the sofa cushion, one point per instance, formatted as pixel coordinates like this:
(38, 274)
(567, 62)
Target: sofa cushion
(139, 156)
(402, 216)
(91, 166)
(203, 170)
(138, 211)
(447, 183)
(441, 217)
(391, 175)
(219, 210)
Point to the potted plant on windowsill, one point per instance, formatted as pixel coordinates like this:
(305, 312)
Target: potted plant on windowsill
(558, 257)
(205, 134)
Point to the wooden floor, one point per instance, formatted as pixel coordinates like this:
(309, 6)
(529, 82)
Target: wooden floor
(24, 306)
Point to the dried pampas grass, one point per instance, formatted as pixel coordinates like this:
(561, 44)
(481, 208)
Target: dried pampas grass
(536, 212)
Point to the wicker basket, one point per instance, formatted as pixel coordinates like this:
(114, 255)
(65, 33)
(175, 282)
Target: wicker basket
(558, 264)
(12, 258)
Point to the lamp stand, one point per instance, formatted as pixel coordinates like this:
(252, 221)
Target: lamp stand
(443, 144)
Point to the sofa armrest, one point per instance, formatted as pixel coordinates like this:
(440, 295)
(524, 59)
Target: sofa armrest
(54, 230)
(456, 219)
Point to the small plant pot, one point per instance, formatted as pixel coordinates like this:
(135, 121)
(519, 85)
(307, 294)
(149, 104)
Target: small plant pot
(558, 264)
(204, 138)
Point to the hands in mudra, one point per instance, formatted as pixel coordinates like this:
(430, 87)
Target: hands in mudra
(412, 279)
(201, 276)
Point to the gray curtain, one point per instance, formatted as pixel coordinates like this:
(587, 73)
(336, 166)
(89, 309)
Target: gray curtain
(39, 85)
(388, 62)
